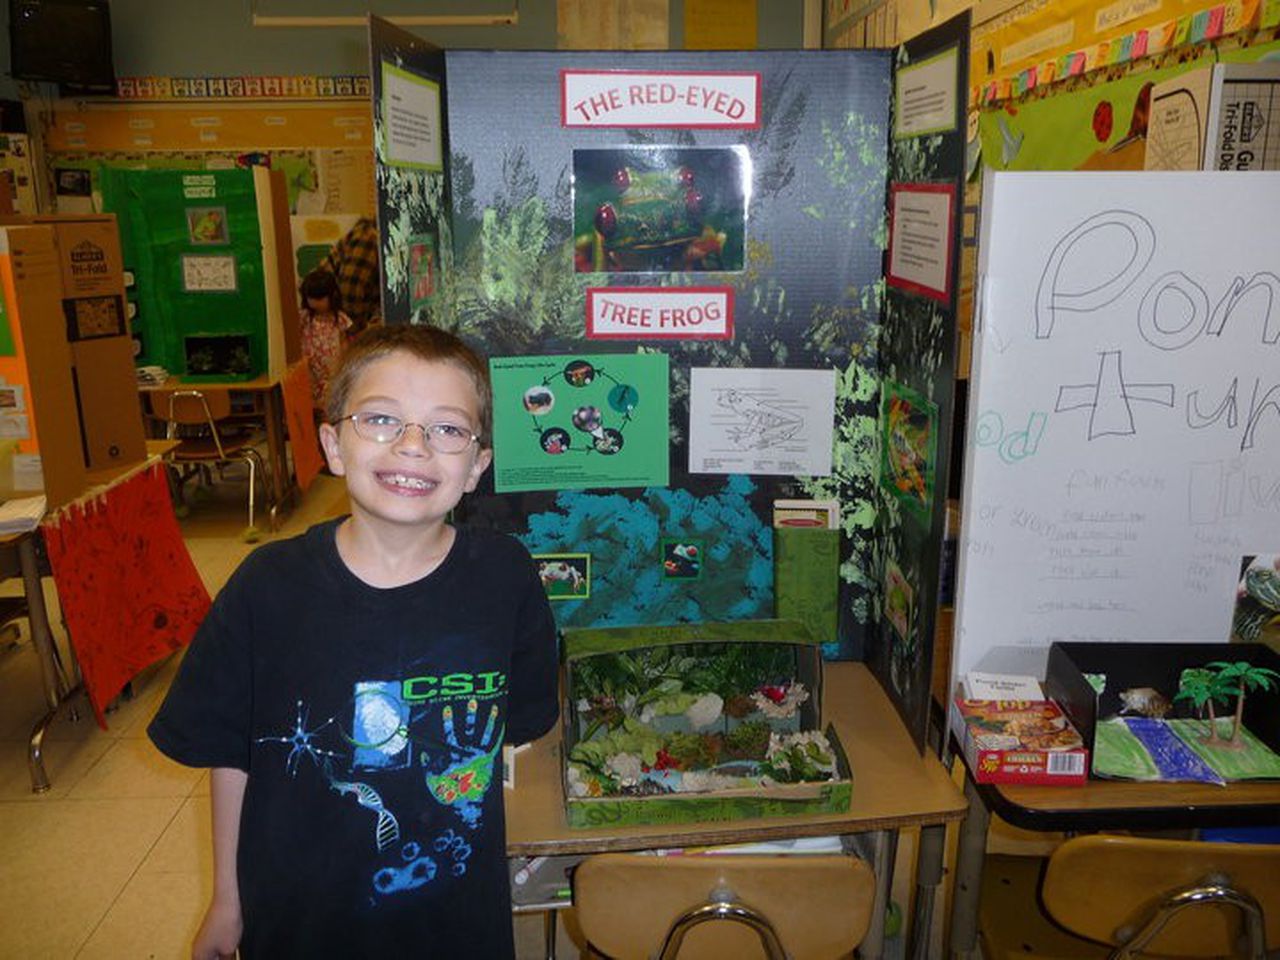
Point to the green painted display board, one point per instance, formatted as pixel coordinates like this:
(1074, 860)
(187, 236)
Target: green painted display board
(191, 241)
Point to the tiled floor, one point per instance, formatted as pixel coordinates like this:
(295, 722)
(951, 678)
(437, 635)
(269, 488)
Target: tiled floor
(114, 861)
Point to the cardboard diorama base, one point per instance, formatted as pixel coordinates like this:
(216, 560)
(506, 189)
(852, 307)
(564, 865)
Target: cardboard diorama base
(1150, 673)
(779, 799)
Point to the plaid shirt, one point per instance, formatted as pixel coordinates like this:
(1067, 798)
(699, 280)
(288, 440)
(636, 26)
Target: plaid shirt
(354, 261)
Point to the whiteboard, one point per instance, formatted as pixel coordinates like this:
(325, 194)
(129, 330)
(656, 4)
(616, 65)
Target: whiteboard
(1123, 439)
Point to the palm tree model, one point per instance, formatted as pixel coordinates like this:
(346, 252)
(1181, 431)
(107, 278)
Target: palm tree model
(1204, 688)
(1243, 676)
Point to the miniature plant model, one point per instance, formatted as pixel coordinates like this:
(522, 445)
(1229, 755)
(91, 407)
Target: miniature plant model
(692, 718)
(1243, 676)
(1203, 688)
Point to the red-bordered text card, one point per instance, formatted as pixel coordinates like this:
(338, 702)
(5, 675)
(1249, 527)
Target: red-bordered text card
(660, 313)
(921, 238)
(640, 98)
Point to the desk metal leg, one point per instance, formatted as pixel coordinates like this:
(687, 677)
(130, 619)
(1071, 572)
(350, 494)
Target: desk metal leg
(55, 684)
(968, 884)
(884, 849)
(928, 878)
(280, 485)
(549, 918)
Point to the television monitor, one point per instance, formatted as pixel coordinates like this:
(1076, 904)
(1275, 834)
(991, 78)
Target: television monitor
(67, 42)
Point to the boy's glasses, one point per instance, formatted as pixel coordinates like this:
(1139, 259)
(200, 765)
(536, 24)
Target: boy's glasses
(386, 428)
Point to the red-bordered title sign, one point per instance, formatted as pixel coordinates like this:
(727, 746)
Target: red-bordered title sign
(639, 98)
(660, 313)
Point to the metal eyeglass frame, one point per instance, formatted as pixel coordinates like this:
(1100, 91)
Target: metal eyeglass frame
(428, 436)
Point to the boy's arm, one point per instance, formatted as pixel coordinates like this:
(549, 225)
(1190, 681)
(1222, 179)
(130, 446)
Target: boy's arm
(219, 933)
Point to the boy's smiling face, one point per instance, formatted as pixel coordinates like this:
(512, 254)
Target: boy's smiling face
(406, 482)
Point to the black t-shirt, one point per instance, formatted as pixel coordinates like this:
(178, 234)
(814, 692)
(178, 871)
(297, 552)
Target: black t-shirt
(370, 722)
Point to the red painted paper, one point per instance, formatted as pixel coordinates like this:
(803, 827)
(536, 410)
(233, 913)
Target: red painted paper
(129, 592)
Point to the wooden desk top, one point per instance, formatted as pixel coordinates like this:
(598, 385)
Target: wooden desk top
(1118, 805)
(893, 786)
(257, 384)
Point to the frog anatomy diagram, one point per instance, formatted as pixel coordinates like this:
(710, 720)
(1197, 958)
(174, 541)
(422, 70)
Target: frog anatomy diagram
(760, 424)
(591, 399)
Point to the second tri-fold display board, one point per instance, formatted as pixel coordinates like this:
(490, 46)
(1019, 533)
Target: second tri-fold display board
(707, 283)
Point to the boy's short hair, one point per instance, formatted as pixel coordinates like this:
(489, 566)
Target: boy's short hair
(424, 342)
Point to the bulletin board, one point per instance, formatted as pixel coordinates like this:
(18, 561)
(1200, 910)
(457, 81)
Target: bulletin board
(193, 246)
(323, 147)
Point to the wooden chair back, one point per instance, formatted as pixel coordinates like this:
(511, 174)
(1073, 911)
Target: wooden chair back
(819, 906)
(1108, 888)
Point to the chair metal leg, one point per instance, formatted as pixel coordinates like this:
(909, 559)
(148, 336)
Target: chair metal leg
(252, 477)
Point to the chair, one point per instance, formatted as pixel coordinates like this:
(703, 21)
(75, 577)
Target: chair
(193, 418)
(1122, 897)
(634, 906)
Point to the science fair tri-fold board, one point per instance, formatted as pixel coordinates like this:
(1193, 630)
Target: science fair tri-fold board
(676, 265)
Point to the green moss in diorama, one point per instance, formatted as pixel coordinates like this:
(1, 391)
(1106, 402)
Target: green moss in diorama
(695, 722)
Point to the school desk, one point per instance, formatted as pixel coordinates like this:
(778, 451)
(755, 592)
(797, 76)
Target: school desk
(1098, 805)
(893, 787)
(262, 398)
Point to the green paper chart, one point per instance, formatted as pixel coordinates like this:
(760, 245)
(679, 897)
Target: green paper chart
(579, 422)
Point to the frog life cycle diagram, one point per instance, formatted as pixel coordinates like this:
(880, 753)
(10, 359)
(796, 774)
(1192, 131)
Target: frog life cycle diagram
(575, 422)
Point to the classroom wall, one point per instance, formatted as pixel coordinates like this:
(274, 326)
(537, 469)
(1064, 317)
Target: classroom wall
(198, 37)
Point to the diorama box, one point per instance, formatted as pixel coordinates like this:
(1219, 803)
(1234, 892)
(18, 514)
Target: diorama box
(695, 722)
(1094, 681)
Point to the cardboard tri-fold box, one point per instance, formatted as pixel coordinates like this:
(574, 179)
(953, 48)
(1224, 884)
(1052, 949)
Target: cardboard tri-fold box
(69, 398)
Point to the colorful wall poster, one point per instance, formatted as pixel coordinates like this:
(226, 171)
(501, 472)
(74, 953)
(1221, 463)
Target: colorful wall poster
(577, 422)
(907, 450)
(899, 601)
(761, 421)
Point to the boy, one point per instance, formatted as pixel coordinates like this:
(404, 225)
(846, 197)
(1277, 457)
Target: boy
(352, 687)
